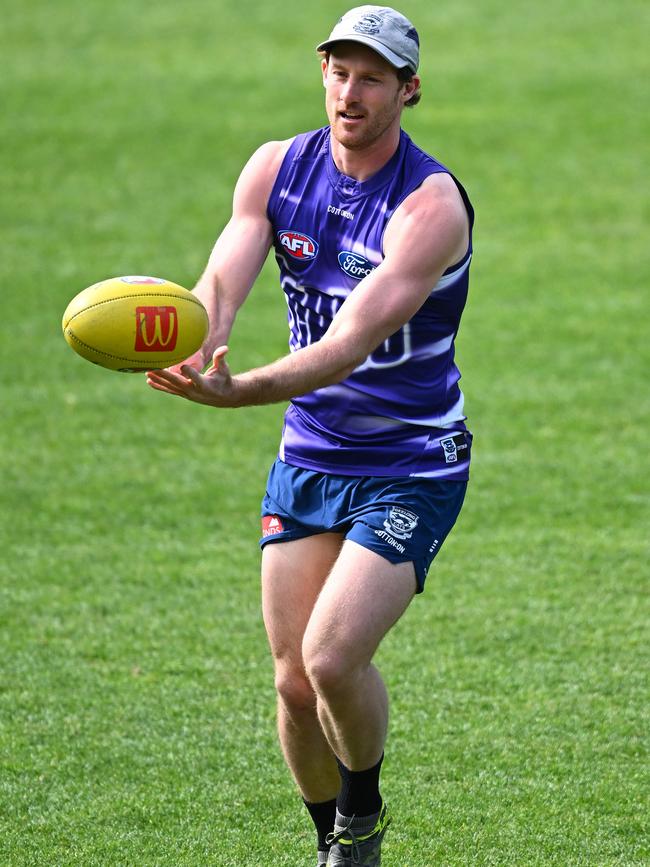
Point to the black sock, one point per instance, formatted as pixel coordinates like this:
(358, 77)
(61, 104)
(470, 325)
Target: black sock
(359, 795)
(323, 815)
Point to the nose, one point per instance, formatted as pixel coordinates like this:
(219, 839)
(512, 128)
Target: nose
(349, 92)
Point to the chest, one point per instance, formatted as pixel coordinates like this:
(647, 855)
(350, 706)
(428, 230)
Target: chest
(328, 235)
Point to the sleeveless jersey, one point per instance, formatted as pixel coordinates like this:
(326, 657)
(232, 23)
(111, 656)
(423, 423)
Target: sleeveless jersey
(400, 413)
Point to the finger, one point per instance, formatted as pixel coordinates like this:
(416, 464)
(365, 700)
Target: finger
(161, 386)
(218, 356)
(171, 377)
(191, 374)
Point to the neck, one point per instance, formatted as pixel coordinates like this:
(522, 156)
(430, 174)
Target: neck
(363, 163)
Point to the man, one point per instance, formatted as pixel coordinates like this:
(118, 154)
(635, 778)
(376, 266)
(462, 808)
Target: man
(373, 241)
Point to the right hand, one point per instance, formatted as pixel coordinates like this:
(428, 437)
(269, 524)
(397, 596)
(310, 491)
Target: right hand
(214, 388)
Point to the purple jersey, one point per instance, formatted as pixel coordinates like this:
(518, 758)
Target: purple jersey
(400, 413)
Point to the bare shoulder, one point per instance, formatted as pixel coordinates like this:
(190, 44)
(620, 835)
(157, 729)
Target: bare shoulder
(437, 193)
(433, 214)
(269, 156)
(258, 175)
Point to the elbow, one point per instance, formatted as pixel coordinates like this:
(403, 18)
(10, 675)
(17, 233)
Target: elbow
(346, 351)
(348, 359)
(343, 373)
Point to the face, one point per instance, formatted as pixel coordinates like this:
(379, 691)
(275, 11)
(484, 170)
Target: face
(363, 96)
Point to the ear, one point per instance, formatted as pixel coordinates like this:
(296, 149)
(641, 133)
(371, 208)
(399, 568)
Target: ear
(323, 67)
(411, 87)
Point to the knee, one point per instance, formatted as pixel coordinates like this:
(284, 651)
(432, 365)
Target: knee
(294, 689)
(329, 671)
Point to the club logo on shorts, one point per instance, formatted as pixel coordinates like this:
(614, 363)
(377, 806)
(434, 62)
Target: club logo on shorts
(156, 329)
(298, 245)
(271, 526)
(401, 522)
(354, 265)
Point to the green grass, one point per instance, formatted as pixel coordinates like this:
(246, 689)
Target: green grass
(136, 697)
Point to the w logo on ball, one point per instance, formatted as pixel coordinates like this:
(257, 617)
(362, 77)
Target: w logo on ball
(156, 329)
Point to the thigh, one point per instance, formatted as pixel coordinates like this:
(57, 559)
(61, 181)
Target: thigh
(364, 595)
(406, 519)
(293, 575)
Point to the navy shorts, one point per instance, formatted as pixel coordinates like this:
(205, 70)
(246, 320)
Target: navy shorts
(403, 519)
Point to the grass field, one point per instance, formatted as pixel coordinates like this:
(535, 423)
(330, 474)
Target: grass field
(136, 698)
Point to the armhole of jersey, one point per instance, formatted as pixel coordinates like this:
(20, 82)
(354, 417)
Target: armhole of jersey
(287, 161)
(466, 202)
(435, 171)
(461, 264)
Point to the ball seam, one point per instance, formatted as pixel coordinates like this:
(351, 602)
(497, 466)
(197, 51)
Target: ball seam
(120, 357)
(126, 297)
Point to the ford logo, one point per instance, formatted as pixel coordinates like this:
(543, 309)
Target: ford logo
(354, 265)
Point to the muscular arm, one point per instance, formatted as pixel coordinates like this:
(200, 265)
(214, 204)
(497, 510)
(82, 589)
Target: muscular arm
(240, 251)
(427, 234)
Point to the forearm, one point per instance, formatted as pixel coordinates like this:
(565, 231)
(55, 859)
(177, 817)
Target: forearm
(221, 308)
(324, 363)
(351, 337)
(224, 285)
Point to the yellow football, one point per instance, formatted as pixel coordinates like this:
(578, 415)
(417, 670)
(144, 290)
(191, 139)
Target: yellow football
(135, 323)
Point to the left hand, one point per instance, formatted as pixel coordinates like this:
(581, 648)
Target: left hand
(212, 388)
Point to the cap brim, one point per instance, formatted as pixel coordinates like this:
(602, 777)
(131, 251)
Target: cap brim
(378, 47)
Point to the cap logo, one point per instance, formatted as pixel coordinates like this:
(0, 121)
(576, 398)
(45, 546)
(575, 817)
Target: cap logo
(369, 24)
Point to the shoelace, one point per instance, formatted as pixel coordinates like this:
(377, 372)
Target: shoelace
(333, 838)
(355, 852)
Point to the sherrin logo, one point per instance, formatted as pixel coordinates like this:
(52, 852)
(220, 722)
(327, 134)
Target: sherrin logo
(156, 329)
(298, 245)
(354, 265)
(142, 281)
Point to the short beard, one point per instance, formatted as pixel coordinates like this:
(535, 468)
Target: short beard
(372, 133)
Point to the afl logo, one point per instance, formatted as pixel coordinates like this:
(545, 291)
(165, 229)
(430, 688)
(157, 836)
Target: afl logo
(354, 265)
(298, 245)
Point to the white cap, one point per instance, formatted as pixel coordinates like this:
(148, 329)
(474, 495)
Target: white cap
(381, 28)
